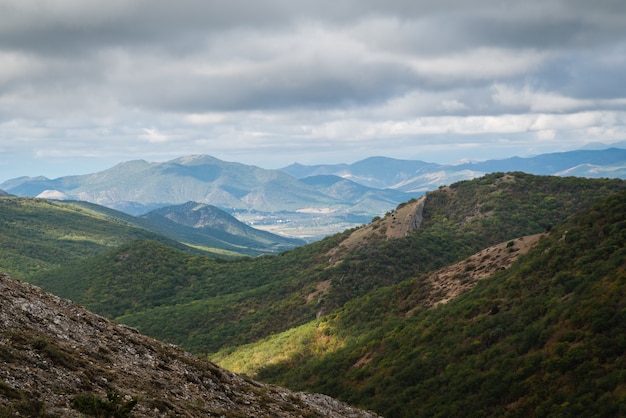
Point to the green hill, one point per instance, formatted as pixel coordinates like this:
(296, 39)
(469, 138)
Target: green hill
(545, 337)
(206, 305)
(209, 227)
(38, 234)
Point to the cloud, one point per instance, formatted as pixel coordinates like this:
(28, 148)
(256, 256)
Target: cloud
(287, 80)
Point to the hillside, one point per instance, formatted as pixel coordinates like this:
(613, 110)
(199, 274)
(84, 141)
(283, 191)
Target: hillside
(207, 226)
(320, 337)
(59, 360)
(206, 305)
(38, 234)
(216, 233)
(544, 336)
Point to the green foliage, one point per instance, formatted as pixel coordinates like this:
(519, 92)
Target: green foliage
(38, 235)
(205, 305)
(554, 347)
(114, 407)
(57, 354)
(16, 402)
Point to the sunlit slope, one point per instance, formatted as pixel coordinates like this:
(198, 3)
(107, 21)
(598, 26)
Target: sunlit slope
(209, 305)
(38, 234)
(545, 337)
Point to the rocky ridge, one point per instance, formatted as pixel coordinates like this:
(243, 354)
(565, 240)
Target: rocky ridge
(451, 281)
(60, 360)
(398, 223)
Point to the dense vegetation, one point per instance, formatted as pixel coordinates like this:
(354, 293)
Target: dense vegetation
(545, 338)
(38, 234)
(206, 305)
(195, 301)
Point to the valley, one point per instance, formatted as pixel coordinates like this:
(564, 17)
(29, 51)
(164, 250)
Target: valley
(297, 201)
(506, 289)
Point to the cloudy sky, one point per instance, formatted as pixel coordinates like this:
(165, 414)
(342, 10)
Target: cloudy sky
(86, 84)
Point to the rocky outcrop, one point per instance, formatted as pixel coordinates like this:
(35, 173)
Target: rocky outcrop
(59, 360)
(398, 223)
(451, 281)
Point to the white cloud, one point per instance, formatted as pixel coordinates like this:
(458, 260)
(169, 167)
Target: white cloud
(153, 136)
(452, 105)
(536, 101)
(292, 80)
(477, 64)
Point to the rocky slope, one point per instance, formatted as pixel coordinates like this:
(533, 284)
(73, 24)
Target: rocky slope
(397, 223)
(59, 360)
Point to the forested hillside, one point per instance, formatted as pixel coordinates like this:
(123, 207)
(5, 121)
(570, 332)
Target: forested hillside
(546, 337)
(210, 228)
(38, 234)
(205, 305)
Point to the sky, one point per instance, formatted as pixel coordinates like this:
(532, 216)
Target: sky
(86, 84)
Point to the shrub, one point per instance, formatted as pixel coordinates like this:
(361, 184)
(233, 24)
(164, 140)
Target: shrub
(114, 406)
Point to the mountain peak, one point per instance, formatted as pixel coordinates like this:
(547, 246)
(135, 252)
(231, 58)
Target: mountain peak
(196, 159)
(396, 224)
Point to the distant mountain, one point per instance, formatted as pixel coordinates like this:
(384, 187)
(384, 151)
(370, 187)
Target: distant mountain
(3, 193)
(601, 146)
(418, 176)
(376, 172)
(206, 225)
(297, 200)
(551, 164)
(363, 199)
(144, 185)
(60, 360)
(271, 199)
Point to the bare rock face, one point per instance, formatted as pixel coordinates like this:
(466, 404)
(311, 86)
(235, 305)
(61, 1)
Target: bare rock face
(59, 360)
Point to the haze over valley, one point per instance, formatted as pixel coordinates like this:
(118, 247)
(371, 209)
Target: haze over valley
(298, 201)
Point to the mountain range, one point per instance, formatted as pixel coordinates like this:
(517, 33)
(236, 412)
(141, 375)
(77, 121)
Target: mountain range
(506, 290)
(40, 234)
(300, 201)
(418, 176)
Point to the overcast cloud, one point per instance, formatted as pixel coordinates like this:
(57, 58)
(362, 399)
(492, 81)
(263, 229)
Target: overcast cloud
(86, 84)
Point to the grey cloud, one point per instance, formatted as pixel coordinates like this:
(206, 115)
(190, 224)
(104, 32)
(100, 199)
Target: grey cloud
(292, 86)
(73, 27)
(133, 71)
